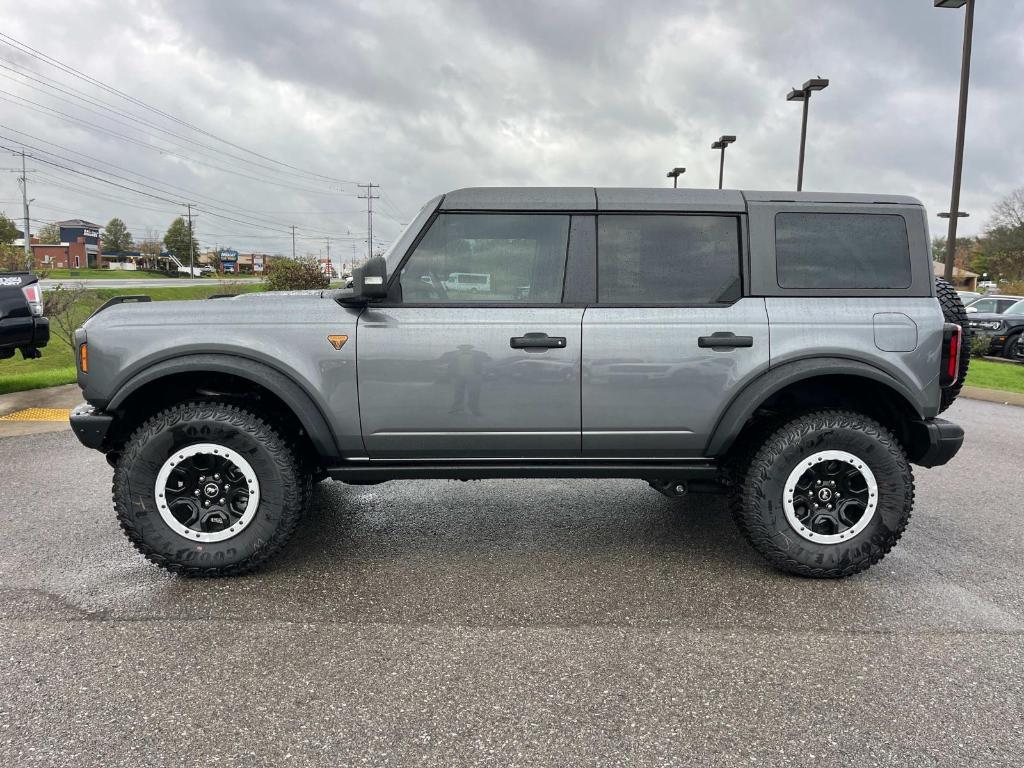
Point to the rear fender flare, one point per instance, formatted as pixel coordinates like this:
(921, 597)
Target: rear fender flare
(743, 405)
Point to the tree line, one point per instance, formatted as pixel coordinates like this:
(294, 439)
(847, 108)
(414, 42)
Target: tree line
(999, 250)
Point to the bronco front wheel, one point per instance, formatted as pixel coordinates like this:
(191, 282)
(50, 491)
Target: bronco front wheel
(826, 495)
(208, 489)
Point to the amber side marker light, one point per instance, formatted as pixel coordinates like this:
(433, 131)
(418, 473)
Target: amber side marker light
(337, 341)
(83, 357)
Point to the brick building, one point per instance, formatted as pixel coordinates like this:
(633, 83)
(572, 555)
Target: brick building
(79, 247)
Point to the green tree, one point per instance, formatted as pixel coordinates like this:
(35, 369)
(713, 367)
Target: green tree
(178, 241)
(1003, 243)
(116, 237)
(286, 274)
(8, 230)
(49, 234)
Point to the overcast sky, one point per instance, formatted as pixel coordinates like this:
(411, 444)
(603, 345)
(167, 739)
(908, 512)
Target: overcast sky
(423, 97)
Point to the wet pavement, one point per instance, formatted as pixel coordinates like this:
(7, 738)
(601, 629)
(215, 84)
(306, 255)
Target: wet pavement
(513, 623)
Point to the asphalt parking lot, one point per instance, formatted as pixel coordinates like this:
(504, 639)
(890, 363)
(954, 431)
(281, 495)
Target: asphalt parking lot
(513, 623)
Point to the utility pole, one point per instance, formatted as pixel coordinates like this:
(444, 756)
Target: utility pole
(293, 241)
(330, 266)
(191, 253)
(369, 197)
(27, 239)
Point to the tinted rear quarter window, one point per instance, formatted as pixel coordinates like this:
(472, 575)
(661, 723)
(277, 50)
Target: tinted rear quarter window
(668, 259)
(841, 251)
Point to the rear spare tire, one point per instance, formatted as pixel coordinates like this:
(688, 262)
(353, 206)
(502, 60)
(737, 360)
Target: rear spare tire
(953, 311)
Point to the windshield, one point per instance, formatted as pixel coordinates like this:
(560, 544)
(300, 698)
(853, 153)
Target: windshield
(401, 244)
(1016, 309)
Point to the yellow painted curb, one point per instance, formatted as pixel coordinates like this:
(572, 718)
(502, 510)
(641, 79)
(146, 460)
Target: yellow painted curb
(38, 414)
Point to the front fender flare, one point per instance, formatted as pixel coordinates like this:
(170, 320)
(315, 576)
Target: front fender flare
(294, 396)
(767, 384)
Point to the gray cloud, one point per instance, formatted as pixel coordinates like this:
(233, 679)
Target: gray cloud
(423, 97)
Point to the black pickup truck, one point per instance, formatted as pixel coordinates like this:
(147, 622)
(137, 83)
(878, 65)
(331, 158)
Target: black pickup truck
(22, 324)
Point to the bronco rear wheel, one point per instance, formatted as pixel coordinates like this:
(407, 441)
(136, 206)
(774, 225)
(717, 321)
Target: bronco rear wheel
(208, 489)
(826, 495)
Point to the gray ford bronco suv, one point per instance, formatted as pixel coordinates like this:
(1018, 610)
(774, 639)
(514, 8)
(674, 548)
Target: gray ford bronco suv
(789, 349)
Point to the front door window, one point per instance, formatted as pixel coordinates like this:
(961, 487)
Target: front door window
(471, 257)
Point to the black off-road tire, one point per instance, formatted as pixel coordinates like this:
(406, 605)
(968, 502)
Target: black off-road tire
(953, 311)
(284, 488)
(756, 499)
(1009, 350)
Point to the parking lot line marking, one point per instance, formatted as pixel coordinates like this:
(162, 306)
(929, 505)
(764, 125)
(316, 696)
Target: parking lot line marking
(38, 414)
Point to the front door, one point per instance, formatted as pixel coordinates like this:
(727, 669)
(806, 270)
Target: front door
(476, 357)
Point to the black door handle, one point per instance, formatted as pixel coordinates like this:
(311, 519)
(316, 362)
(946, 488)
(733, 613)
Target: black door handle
(724, 340)
(537, 341)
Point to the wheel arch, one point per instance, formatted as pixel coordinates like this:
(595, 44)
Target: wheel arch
(217, 374)
(825, 382)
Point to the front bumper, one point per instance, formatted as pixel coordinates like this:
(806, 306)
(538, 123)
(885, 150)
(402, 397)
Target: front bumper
(90, 425)
(934, 442)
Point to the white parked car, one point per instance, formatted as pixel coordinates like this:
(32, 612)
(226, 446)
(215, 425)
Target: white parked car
(472, 282)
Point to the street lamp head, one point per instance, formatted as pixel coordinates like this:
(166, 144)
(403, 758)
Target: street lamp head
(816, 84)
(950, 3)
(727, 139)
(675, 172)
(717, 145)
(796, 94)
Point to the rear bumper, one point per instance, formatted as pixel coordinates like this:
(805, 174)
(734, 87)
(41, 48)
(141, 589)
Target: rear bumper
(24, 332)
(90, 426)
(934, 442)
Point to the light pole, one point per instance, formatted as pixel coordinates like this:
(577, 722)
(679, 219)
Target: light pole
(674, 174)
(961, 123)
(804, 95)
(722, 143)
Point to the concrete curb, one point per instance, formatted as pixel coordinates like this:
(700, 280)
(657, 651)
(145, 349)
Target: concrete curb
(993, 396)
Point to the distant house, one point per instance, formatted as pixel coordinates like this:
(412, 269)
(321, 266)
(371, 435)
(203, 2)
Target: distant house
(962, 279)
(79, 247)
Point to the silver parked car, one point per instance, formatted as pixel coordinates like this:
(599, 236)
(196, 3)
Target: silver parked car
(789, 349)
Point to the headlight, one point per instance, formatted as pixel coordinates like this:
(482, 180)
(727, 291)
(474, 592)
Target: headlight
(989, 325)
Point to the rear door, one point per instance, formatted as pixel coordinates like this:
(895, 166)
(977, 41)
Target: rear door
(492, 371)
(671, 338)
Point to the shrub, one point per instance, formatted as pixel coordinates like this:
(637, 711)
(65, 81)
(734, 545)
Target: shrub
(295, 275)
(980, 345)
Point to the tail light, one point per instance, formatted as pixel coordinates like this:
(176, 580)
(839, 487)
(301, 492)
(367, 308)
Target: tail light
(34, 296)
(952, 341)
(83, 357)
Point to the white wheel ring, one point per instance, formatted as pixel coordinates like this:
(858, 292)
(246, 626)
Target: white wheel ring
(817, 458)
(252, 483)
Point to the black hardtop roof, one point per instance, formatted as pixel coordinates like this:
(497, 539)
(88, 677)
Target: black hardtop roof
(641, 199)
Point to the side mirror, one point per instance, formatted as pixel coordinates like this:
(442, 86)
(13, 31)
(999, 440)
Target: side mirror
(371, 279)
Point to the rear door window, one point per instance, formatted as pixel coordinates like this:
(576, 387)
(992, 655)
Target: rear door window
(668, 259)
(841, 251)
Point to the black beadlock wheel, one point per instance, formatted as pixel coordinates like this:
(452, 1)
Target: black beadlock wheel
(953, 311)
(825, 495)
(209, 489)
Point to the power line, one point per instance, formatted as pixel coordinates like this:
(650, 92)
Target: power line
(221, 205)
(27, 49)
(133, 120)
(37, 107)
